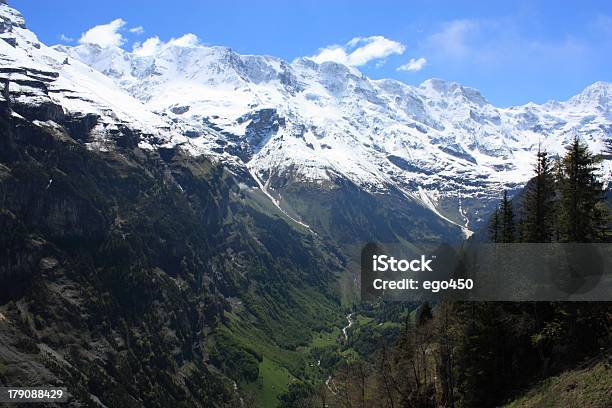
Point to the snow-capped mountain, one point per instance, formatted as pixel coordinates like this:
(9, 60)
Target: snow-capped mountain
(440, 143)
(37, 77)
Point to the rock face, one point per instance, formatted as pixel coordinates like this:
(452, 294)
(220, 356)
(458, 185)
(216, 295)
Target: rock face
(121, 269)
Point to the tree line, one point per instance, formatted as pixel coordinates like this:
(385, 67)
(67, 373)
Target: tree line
(564, 202)
(490, 352)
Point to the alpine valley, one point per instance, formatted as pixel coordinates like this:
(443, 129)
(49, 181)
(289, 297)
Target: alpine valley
(178, 223)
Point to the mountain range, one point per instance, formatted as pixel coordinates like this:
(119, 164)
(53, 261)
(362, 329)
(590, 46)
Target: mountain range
(286, 125)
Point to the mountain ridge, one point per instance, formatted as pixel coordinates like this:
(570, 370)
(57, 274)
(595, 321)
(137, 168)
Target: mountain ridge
(439, 127)
(440, 143)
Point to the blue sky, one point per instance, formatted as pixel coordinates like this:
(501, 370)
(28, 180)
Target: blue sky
(513, 52)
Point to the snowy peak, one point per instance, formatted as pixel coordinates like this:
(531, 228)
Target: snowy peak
(10, 18)
(177, 61)
(38, 80)
(597, 95)
(438, 88)
(13, 29)
(111, 61)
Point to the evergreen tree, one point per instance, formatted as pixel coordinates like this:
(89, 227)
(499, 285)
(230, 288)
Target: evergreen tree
(558, 177)
(507, 220)
(539, 203)
(504, 346)
(580, 194)
(495, 227)
(602, 222)
(424, 314)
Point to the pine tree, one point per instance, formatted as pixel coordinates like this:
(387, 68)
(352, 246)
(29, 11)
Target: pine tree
(602, 222)
(507, 220)
(539, 203)
(558, 177)
(495, 227)
(580, 194)
(424, 314)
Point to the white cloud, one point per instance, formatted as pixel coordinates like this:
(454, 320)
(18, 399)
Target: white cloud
(333, 53)
(65, 38)
(413, 65)
(153, 44)
(187, 40)
(137, 30)
(149, 47)
(105, 35)
(360, 50)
